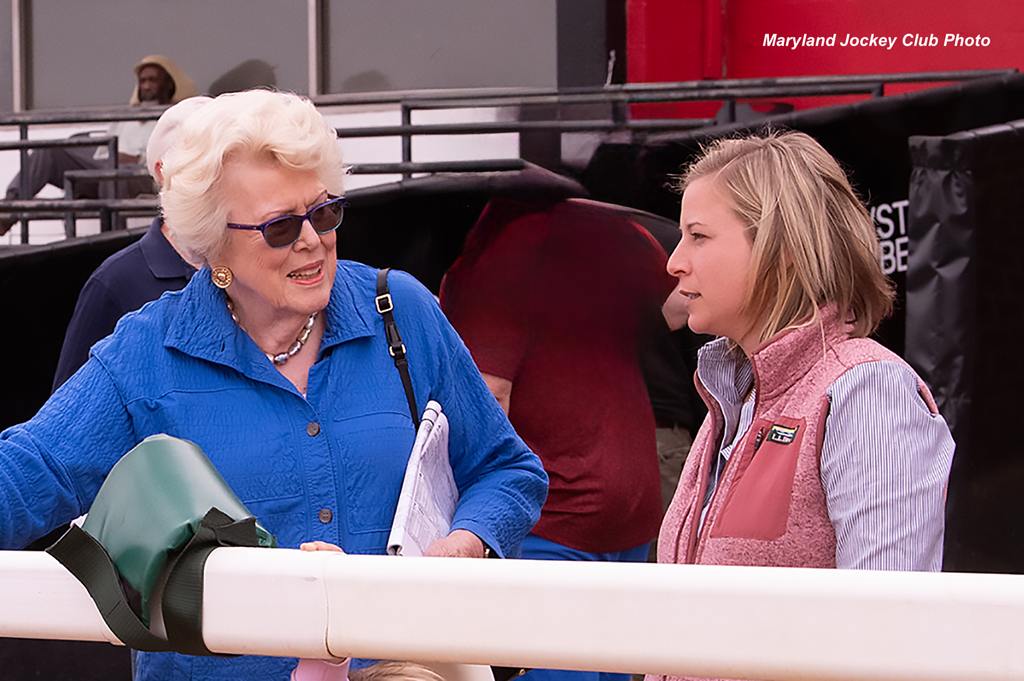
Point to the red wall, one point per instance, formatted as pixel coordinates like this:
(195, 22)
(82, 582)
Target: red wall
(669, 40)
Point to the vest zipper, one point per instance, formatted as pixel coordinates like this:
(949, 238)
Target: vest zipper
(758, 439)
(695, 547)
(689, 549)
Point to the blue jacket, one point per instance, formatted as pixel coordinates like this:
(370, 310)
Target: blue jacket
(328, 466)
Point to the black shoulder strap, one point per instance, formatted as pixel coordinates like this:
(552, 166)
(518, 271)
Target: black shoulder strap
(385, 307)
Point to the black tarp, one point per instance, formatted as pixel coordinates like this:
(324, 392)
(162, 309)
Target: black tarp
(964, 329)
(869, 138)
(41, 285)
(417, 225)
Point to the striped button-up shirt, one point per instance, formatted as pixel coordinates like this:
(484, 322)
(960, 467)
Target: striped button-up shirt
(885, 461)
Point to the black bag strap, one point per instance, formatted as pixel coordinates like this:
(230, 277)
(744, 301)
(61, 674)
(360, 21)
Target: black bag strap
(183, 594)
(396, 348)
(182, 602)
(87, 560)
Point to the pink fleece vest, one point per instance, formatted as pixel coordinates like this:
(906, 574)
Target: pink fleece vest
(769, 506)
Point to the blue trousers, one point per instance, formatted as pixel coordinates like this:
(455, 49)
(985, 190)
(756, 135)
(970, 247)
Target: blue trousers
(535, 548)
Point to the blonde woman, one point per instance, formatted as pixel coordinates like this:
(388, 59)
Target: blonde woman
(821, 448)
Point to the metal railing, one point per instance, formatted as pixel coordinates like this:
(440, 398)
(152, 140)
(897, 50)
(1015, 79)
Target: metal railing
(675, 94)
(25, 119)
(108, 220)
(413, 96)
(108, 141)
(498, 127)
(617, 97)
(24, 145)
(85, 115)
(830, 625)
(72, 178)
(70, 209)
(139, 207)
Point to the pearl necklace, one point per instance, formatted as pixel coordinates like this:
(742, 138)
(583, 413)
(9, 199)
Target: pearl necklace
(300, 340)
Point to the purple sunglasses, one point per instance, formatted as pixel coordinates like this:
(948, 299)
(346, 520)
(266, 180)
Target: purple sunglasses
(284, 230)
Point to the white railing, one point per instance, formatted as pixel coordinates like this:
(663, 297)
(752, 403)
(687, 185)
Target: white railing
(736, 622)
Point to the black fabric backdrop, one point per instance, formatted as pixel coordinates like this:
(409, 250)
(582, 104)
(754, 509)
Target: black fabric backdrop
(418, 226)
(41, 285)
(964, 328)
(869, 139)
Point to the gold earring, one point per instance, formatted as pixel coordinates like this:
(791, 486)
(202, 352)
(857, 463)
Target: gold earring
(222, 276)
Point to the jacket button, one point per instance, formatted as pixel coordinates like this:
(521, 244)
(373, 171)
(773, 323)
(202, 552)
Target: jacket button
(312, 428)
(325, 515)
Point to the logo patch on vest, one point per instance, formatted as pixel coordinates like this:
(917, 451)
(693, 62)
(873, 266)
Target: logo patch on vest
(781, 434)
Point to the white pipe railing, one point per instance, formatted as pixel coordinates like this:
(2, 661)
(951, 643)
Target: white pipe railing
(736, 622)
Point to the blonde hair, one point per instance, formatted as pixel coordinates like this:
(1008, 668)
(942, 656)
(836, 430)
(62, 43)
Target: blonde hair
(394, 671)
(814, 243)
(257, 125)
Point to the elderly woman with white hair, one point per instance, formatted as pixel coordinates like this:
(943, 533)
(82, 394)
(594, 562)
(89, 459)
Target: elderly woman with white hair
(274, 360)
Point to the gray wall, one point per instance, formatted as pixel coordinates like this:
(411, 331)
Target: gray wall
(82, 51)
(411, 44)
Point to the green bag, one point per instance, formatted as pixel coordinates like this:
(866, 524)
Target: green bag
(161, 511)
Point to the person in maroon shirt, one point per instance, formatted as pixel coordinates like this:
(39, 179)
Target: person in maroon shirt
(555, 302)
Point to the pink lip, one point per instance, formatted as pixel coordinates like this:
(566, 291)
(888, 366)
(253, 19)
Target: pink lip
(309, 282)
(687, 294)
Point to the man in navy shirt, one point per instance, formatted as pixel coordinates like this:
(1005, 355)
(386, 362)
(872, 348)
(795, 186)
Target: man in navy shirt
(133, 276)
(125, 281)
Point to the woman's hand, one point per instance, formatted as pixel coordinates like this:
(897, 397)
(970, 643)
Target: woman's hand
(320, 546)
(458, 544)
